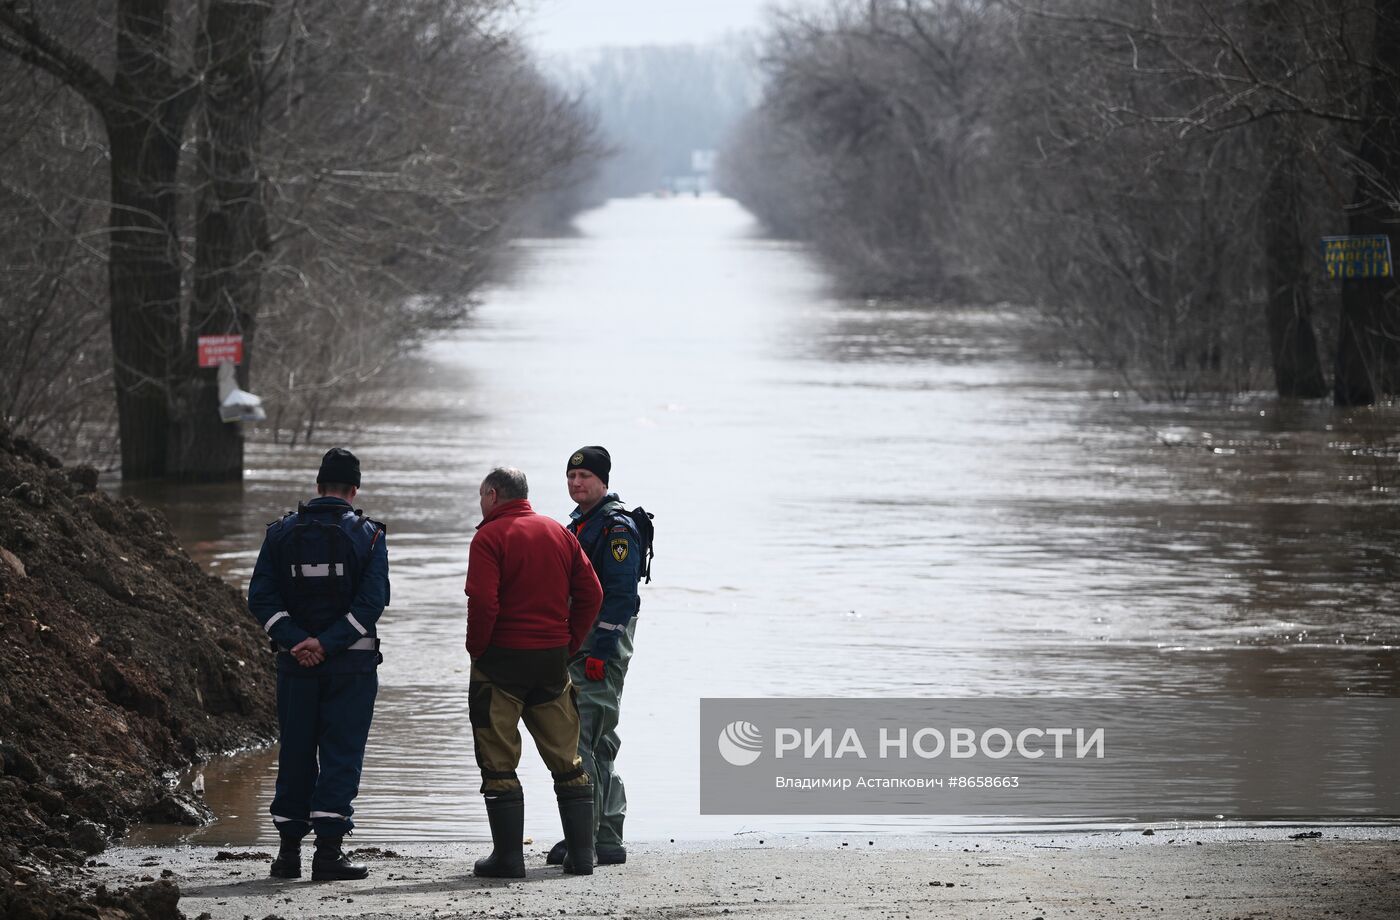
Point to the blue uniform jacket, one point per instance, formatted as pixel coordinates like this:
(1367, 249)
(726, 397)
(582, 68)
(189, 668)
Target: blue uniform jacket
(346, 630)
(612, 544)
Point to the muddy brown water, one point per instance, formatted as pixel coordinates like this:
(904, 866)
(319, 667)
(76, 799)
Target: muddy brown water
(852, 499)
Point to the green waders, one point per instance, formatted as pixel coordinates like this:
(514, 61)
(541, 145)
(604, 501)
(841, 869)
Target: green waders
(599, 707)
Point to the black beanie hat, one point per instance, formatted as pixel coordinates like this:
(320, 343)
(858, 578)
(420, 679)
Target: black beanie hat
(339, 466)
(593, 458)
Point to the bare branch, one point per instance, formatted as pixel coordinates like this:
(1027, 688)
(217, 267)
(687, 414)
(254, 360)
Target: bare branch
(32, 44)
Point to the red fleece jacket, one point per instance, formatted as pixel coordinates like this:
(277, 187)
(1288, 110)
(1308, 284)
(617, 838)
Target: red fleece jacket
(529, 585)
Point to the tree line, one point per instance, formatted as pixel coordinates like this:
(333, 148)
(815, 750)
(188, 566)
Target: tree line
(658, 104)
(331, 179)
(1154, 178)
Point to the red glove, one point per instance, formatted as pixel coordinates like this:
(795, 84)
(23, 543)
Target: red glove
(595, 668)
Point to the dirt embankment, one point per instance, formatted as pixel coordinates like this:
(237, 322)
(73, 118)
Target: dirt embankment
(120, 662)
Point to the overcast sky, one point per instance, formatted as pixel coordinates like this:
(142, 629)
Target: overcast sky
(566, 25)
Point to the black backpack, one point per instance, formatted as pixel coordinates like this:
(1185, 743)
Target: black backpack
(641, 520)
(317, 541)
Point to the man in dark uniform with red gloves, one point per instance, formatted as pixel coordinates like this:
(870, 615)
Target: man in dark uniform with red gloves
(610, 538)
(531, 599)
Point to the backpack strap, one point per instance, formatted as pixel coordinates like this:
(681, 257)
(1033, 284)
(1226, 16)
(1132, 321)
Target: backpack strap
(638, 524)
(380, 529)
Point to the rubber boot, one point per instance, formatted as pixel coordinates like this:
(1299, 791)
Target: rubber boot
(506, 812)
(606, 855)
(576, 814)
(330, 864)
(288, 861)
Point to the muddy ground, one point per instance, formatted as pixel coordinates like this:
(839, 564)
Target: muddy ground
(121, 662)
(1199, 874)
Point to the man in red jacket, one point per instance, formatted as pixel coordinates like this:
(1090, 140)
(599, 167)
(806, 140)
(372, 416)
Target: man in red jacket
(532, 597)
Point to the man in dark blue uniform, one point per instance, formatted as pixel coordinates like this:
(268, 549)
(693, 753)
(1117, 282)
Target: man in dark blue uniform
(610, 539)
(319, 586)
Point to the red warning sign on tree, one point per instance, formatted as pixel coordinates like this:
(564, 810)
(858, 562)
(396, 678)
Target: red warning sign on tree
(216, 349)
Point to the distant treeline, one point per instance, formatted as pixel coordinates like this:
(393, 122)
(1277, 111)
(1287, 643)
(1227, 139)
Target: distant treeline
(1154, 177)
(331, 178)
(656, 105)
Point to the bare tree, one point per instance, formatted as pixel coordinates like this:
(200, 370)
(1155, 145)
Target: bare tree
(230, 232)
(55, 360)
(401, 140)
(881, 106)
(165, 404)
(356, 167)
(1152, 176)
(1293, 343)
(1368, 348)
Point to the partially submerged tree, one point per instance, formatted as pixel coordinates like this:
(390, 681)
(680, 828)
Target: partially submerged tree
(230, 227)
(167, 406)
(1154, 177)
(354, 168)
(1368, 348)
(143, 105)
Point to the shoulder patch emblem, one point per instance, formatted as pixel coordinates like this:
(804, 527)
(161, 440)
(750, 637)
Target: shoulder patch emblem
(619, 549)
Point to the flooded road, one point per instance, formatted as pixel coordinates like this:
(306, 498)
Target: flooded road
(851, 499)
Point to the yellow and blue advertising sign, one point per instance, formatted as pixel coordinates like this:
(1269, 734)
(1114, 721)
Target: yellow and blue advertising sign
(1352, 257)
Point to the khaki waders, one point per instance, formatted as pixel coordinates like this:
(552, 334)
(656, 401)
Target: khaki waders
(531, 685)
(508, 686)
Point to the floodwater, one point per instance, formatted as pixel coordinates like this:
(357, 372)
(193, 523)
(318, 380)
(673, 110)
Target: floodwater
(851, 499)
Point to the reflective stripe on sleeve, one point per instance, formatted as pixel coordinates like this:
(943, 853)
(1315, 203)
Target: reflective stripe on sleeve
(356, 623)
(267, 627)
(318, 571)
(611, 626)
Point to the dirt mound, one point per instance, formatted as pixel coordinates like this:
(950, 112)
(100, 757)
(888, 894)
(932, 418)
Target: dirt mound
(121, 661)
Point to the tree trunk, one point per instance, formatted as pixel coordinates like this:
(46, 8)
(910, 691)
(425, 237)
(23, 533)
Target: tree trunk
(1292, 341)
(144, 123)
(1297, 364)
(231, 232)
(1368, 345)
